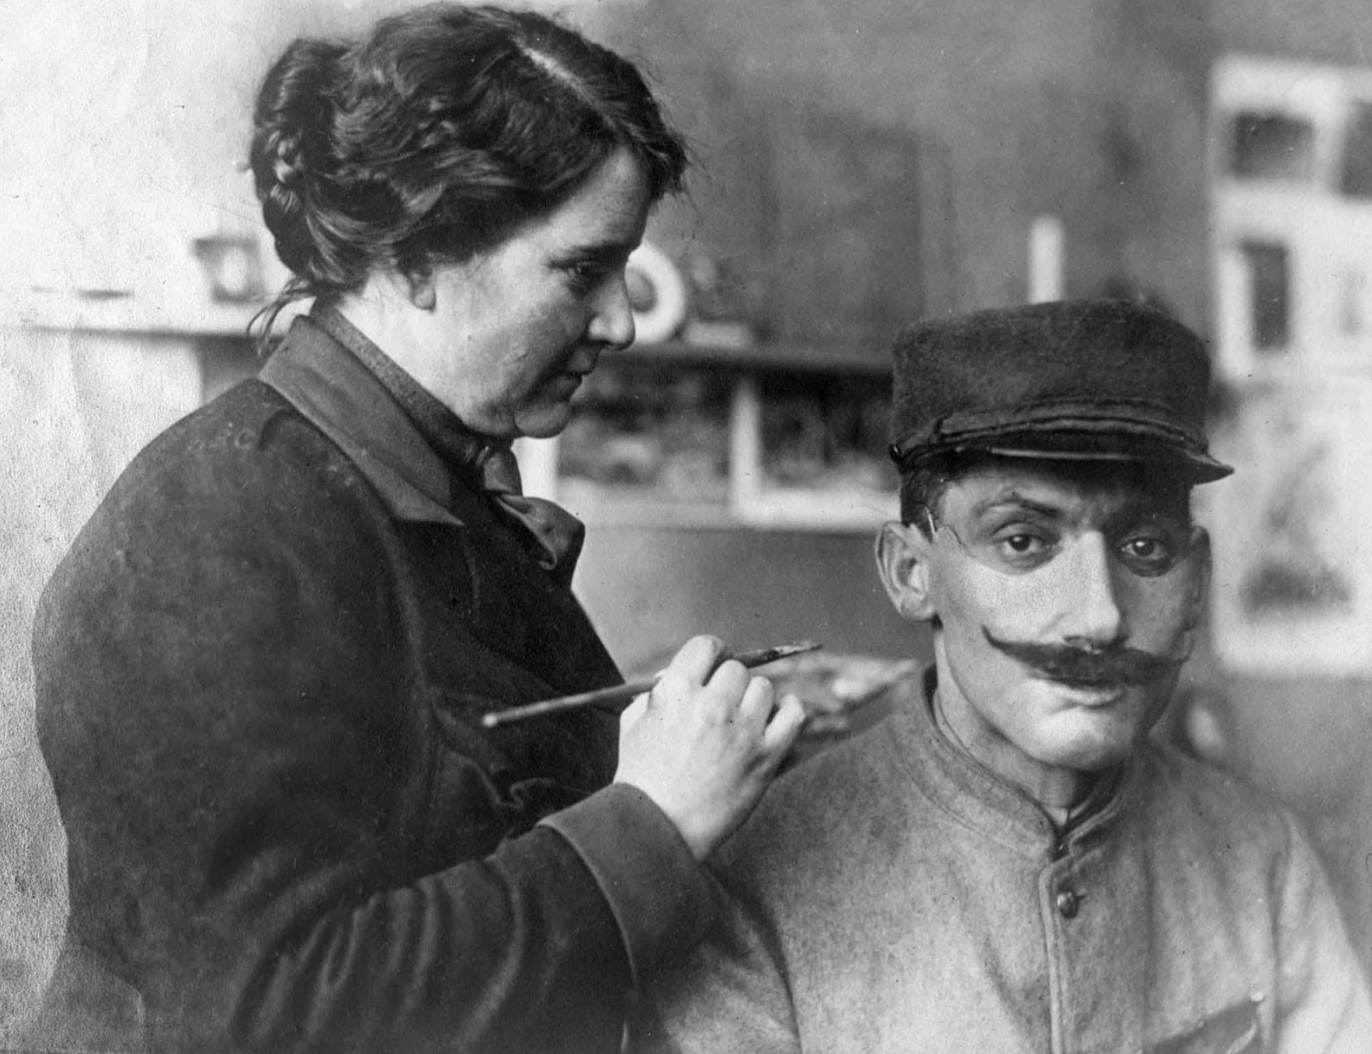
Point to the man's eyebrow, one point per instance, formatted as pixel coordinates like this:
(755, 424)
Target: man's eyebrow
(1013, 497)
(1150, 507)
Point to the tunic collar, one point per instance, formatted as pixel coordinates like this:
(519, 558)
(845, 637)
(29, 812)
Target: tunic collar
(979, 798)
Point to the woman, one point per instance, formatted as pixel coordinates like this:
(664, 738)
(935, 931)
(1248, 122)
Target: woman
(262, 667)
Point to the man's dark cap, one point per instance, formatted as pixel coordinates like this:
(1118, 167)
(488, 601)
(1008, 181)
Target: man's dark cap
(1075, 380)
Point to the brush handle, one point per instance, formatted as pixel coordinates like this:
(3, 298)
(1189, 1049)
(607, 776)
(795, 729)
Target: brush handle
(622, 694)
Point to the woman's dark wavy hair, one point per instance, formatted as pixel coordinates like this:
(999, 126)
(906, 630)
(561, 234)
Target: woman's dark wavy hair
(435, 137)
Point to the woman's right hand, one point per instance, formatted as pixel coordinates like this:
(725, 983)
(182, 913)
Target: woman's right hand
(704, 743)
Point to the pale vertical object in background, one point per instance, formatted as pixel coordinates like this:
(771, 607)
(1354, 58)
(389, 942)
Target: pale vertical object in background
(745, 445)
(537, 466)
(1234, 314)
(1045, 259)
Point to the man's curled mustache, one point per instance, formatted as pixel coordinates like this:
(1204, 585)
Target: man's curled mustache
(1115, 664)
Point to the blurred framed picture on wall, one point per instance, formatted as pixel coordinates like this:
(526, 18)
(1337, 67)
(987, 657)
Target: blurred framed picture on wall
(1292, 588)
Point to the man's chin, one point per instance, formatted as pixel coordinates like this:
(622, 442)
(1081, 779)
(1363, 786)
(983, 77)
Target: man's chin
(1094, 738)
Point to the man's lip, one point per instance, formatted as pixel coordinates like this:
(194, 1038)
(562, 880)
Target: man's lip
(1100, 692)
(1086, 682)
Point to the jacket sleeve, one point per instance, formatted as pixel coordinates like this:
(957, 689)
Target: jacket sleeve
(221, 704)
(1322, 1003)
(727, 994)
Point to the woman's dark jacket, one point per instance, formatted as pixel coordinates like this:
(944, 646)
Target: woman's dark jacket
(260, 674)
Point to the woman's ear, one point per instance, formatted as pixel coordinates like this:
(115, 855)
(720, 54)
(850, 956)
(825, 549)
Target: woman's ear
(903, 552)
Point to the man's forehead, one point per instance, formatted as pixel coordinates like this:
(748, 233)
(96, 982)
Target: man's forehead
(1053, 485)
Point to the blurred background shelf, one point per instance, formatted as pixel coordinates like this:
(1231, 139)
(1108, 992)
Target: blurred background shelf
(124, 311)
(693, 437)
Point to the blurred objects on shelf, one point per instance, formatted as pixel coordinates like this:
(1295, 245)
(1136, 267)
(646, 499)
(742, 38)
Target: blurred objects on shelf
(727, 444)
(826, 433)
(822, 449)
(232, 267)
(648, 432)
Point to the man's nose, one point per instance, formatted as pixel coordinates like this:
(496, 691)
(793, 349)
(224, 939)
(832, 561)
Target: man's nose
(1093, 614)
(613, 322)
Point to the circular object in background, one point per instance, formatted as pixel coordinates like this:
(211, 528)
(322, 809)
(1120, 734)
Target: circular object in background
(657, 294)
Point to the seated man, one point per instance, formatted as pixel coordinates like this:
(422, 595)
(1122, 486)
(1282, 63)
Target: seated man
(1008, 863)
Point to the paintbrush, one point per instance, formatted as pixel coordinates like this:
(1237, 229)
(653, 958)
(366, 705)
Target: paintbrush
(623, 694)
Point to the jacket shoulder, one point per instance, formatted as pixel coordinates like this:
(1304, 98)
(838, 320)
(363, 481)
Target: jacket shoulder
(1208, 812)
(245, 449)
(821, 811)
(1180, 782)
(251, 428)
(242, 483)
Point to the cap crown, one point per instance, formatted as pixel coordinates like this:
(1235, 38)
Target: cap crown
(1073, 379)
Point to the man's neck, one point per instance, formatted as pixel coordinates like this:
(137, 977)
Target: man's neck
(1058, 792)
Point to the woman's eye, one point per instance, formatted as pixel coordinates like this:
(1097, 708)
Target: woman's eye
(581, 276)
(584, 277)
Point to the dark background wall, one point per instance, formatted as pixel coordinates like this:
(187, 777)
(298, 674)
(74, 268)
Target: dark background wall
(1092, 110)
(647, 588)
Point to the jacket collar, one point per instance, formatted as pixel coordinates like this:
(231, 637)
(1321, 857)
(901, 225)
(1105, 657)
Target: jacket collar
(343, 399)
(979, 798)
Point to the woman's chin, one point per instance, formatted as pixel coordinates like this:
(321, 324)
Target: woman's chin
(543, 421)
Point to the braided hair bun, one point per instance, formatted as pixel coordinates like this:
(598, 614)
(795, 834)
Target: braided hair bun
(435, 136)
(290, 151)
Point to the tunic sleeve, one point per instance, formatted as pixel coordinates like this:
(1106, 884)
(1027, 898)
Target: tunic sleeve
(1323, 1003)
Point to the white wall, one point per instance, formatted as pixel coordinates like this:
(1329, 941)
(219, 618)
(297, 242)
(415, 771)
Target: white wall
(73, 410)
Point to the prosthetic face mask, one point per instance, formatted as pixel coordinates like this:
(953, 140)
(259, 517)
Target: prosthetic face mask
(1064, 598)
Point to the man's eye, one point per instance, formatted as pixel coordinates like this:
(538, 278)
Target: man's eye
(1149, 554)
(1024, 548)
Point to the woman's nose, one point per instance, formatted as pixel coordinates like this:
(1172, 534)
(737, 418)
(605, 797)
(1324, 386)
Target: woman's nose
(1092, 614)
(613, 322)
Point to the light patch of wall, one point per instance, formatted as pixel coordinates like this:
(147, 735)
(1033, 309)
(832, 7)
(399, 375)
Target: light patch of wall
(74, 409)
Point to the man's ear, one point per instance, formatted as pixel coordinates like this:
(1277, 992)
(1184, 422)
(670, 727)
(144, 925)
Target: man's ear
(1200, 579)
(419, 285)
(903, 553)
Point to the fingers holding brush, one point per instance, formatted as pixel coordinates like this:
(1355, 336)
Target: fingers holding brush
(704, 744)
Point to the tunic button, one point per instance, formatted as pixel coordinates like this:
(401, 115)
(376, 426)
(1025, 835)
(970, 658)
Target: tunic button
(1068, 904)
